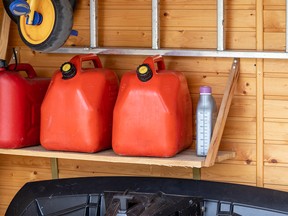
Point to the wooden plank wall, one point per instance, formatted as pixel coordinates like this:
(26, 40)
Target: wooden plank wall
(257, 125)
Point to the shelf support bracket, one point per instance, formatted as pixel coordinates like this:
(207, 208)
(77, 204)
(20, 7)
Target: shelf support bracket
(222, 114)
(12, 59)
(54, 168)
(196, 173)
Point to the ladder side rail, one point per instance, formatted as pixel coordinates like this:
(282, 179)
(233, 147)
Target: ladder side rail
(220, 25)
(155, 24)
(93, 23)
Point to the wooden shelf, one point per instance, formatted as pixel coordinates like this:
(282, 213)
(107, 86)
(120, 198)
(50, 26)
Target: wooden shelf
(186, 158)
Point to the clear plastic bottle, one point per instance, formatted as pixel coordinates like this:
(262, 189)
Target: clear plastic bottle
(205, 120)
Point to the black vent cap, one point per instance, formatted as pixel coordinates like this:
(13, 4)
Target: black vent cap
(68, 70)
(144, 72)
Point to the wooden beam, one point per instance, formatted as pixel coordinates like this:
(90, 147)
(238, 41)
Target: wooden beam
(186, 158)
(260, 97)
(260, 125)
(222, 114)
(4, 35)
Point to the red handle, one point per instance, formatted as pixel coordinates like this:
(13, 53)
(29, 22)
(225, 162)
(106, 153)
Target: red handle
(77, 60)
(155, 59)
(23, 67)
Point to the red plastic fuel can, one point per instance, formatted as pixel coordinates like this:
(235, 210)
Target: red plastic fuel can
(20, 102)
(77, 111)
(153, 112)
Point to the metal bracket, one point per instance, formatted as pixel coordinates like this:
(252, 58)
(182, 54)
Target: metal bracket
(12, 59)
(54, 168)
(196, 173)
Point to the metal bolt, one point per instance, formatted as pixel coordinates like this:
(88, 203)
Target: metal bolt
(202, 209)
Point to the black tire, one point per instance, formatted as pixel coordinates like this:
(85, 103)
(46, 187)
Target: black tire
(61, 28)
(73, 3)
(7, 3)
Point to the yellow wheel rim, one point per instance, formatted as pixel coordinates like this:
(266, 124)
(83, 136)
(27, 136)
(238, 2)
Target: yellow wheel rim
(36, 34)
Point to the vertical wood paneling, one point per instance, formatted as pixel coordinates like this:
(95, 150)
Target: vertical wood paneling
(274, 175)
(259, 98)
(274, 25)
(275, 98)
(277, 187)
(70, 168)
(15, 171)
(230, 173)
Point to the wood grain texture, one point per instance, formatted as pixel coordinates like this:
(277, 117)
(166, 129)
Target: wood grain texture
(275, 154)
(275, 86)
(15, 171)
(275, 175)
(246, 150)
(4, 34)
(275, 66)
(259, 97)
(186, 24)
(241, 106)
(275, 130)
(230, 173)
(69, 168)
(223, 113)
(277, 187)
(276, 109)
(7, 194)
(187, 158)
